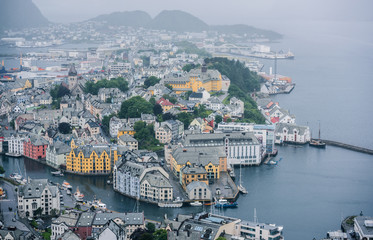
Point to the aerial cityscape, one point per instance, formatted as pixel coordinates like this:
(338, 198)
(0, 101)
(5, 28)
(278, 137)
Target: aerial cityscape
(164, 121)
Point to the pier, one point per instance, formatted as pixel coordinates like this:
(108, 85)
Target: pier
(348, 146)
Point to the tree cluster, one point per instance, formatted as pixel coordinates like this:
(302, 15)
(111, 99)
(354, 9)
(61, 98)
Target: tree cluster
(93, 88)
(151, 81)
(146, 137)
(133, 107)
(57, 92)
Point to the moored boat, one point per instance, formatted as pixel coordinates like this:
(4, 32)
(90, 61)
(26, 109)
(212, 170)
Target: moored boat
(170, 205)
(223, 203)
(317, 143)
(57, 174)
(78, 195)
(196, 204)
(66, 185)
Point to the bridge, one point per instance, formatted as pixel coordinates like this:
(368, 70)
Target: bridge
(348, 146)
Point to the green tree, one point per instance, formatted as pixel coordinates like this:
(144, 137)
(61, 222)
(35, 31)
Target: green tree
(185, 118)
(151, 81)
(221, 238)
(12, 124)
(168, 116)
(64, 128)
(160, 234)
(168, 86)
(2, 171)
(151, 227)
(38, 211)
(106, 121)
(229, 120)
(146, 137)
(157, 109)
(59, 91)
(93, 88)
(133, 107)
(191, 66)
(146, 236)
(218, 119)
(170, 98)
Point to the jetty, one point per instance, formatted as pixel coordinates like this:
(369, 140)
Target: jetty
(348, 146)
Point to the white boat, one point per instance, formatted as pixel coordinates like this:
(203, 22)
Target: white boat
(272, 162)
(242, 189)
(78, 195)
(66, 185)
(170, 205)
(15, 176)
(57, 174)
(99, 204)
(196, 204)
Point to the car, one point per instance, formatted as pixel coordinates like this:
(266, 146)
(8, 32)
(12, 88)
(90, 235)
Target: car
(14, 220)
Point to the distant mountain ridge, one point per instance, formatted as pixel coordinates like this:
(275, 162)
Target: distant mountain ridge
(17, 14)
(178, 21)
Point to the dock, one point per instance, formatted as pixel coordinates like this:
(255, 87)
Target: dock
(348, 146)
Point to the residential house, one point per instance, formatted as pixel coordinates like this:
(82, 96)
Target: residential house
(114, 229)
(128, 141)
(35, 194)
(93, 127)
(165, 104)
(83, 227)
(198, 190)
(63, 223)
(115, 124)
(56, 154)
(126, 130)
(163, 134)
(155, 186)
(214, 103)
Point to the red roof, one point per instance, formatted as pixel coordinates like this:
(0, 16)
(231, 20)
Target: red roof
(164, 102)
(275, 119)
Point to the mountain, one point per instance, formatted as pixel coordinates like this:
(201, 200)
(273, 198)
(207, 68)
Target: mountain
(128, 18)
(242, 29)
(178, 21)
(17, 14)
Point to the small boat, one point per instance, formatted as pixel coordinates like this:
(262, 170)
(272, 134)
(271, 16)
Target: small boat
(15, 176)
(209, 203)
(170, 205)
(318, 143)
(78, 195)
(196, 204)
(66, 185)
(2, 193)
(109, 182)
(99, 204)
(242, 189)
(272, 162)
(223, 203)
(57, 174)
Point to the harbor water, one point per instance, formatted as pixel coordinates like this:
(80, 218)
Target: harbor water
(310, 190)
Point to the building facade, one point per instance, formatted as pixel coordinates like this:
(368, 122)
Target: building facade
(35, 147)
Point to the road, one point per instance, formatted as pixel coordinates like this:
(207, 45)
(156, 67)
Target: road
(10, 201)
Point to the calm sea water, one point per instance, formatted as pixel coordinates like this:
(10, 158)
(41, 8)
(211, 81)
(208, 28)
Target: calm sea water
(310, 190)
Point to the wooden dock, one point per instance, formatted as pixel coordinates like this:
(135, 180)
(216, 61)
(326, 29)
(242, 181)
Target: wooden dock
(348, 146)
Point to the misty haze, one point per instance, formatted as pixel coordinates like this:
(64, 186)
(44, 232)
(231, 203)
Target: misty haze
(185, 120)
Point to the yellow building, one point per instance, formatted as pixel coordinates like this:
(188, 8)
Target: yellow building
(20, 84)
(126, 130)
(211, 80)
(190, 174)
(212, 159)
(90, 159)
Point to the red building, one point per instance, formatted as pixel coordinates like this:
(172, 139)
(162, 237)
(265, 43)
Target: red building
(35, 147)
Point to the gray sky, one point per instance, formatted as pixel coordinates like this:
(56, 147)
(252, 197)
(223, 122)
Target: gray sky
(252, 12)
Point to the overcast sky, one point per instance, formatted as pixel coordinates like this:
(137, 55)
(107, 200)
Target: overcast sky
(252, 12)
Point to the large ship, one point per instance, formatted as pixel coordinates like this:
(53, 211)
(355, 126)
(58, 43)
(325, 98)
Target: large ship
(223, 203)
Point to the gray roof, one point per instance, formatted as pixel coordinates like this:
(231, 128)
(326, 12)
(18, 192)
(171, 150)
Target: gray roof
(198, 155)
(196, 184)
(127, 138)
(69, 219)
(157, 180)
(291, 127)
(68, 235)
(35, 188)
(134, 168)
(37, 140)
(128, 218)
(72, 70)
(86, 219)
(217, 139)
(362, 221)
(193, 170)
(196, 95)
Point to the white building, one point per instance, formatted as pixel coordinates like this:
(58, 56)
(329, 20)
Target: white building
(15, 145)
(56, 154)
(291, 133)
(363, 227)
(253, 231)
(60, 225)
(240, 147)
(38, 193)
(115, 124)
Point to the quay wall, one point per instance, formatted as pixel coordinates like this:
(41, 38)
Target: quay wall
(348, 146)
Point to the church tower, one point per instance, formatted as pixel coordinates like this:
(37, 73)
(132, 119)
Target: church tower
(72, 77)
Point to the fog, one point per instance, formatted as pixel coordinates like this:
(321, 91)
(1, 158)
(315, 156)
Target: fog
(254, 12)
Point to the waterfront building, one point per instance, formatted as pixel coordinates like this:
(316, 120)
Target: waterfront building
(209, 79)
(35, 147)
(56, 154)
(265, 133)
(292, 133)
(155, 186)
(15, 145)
(212, 159)
(239, 147)
(363, 227)
(212, 226)
(197, 190)
(93, 159)
(63, 223)
(253, 230)
(38, 194)
(128, 141)
(113, 229)
(336, 235)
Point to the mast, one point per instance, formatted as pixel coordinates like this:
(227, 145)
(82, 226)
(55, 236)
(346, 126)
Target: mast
(275, 66)
(319, 131)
